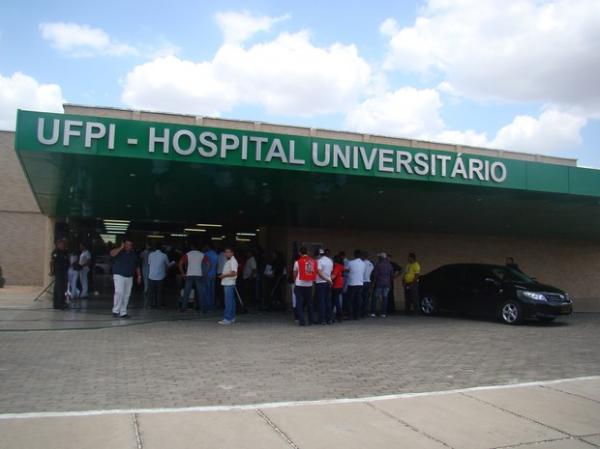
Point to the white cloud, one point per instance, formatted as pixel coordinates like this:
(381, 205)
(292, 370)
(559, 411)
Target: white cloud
(468, 137)
(238, 27)
(416, 113)
(287, 75)
(406, 112)
(518, 50)
(78, 41)
(20, 91)
(554, 131)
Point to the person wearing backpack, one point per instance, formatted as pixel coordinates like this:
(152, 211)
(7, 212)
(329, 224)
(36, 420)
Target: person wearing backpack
(305, 274)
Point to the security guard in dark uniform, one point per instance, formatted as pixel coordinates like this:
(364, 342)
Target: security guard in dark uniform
(59, 268)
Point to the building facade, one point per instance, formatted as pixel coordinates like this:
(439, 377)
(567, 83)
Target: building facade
(166, 173)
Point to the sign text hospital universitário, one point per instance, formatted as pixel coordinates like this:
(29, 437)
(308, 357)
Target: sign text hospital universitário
(132, 138)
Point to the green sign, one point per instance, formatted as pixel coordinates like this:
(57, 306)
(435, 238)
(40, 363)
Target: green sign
(101, 136)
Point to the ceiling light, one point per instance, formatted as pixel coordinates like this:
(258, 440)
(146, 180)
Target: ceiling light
(246, 234)
(106, 220)
(240, 239)
(194, 230)
(179, 235)
(155, 236)
(207, 225)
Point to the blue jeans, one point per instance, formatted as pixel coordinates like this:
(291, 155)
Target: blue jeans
(303, 296)
(354, 299)
(366, 298)
(323, 294)
(336, 299)
(229, 294)
(209, 292)
(381, 294)
(196, 283)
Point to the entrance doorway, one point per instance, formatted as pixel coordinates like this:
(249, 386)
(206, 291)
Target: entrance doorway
(261, 278)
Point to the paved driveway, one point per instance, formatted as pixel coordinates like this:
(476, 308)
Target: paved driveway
(265, 358)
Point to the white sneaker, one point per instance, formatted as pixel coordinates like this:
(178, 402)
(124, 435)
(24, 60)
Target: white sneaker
(383, 315)
(372, 315)
(225, 322)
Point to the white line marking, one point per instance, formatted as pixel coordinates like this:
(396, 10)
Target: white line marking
(132, 141)
(269, 405)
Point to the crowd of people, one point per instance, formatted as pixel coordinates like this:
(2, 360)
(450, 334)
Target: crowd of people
(339, 288)
(324, 289)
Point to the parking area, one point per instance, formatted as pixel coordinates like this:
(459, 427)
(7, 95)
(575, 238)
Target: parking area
(166, 360)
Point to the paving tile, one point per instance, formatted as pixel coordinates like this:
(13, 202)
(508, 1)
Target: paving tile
(463, 422)
(589, 388)
(82, 432)
(345, 426)
(219, 430)
(565, 412)
(593, 439)
(571, 443)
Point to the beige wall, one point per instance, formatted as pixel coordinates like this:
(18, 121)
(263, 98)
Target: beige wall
(24, 231)
(570, 265)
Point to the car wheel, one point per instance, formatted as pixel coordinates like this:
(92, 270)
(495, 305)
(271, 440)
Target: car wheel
(546, 319)
(511, 313)
(428, 305)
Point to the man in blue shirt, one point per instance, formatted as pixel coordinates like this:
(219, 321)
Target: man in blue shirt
(209, 267)
(124, 268)
(158, 263)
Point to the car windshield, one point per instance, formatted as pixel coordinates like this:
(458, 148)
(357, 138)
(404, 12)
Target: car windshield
(507, 274)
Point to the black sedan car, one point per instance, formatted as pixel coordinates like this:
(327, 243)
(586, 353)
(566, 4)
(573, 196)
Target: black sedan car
(491, 290)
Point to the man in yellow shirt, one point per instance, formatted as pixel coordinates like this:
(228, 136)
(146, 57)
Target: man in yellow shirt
(410, 281)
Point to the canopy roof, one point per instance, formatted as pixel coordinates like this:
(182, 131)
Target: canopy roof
(99, 167)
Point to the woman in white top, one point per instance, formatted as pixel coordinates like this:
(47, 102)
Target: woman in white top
(74, 268)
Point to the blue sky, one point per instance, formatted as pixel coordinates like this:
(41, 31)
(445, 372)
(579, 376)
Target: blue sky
(512, 74)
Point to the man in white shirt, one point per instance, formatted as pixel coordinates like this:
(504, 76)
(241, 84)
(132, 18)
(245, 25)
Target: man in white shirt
(323, 286)
(85, 260)
(158, 263)
(366, 290)
(192, 262)
(228, 278)
(356, 275)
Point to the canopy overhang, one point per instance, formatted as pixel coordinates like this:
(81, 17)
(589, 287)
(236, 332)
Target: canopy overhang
(98, 167)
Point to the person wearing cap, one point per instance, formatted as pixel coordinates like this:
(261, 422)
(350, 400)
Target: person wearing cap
(383, 275)
(410, 280)
(323, 286)
(59, 269)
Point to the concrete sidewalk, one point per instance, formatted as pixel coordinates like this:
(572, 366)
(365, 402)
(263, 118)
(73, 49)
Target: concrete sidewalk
(544, 415)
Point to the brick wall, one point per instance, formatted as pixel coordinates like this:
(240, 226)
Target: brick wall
(23, 229)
